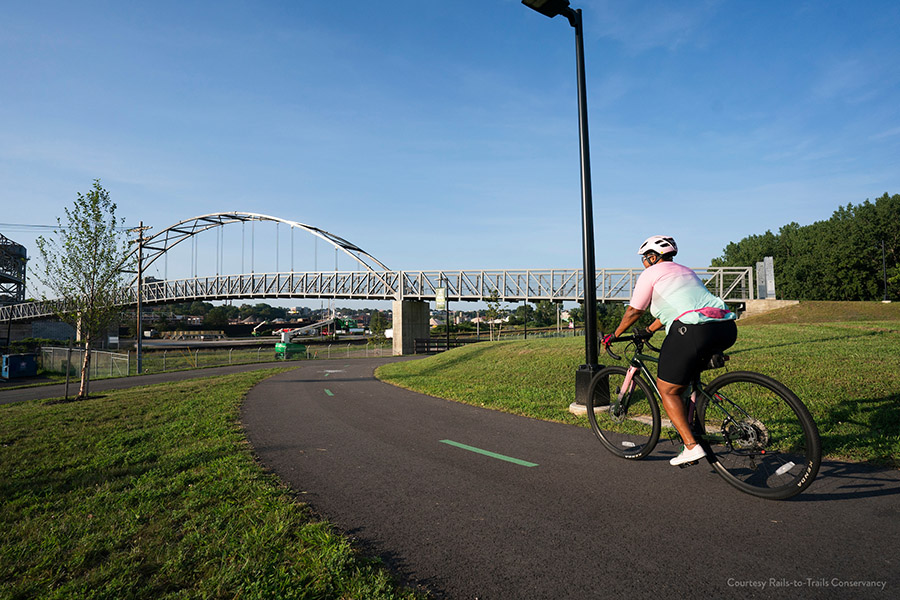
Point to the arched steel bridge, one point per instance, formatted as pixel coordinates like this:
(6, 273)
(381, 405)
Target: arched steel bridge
(376, 282)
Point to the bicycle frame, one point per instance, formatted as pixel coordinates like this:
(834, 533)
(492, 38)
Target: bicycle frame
(638, 364)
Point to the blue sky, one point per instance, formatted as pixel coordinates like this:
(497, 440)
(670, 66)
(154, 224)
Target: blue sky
(443, 135)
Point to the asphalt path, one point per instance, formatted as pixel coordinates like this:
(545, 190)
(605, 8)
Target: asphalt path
(406, 475)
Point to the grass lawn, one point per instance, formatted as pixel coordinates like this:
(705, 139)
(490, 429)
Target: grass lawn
(153, 492)
(847, 372)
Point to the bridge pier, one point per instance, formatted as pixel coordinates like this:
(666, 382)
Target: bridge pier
(411, 321)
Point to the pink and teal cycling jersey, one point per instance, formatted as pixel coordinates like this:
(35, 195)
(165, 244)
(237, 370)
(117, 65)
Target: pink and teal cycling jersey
(675, 293)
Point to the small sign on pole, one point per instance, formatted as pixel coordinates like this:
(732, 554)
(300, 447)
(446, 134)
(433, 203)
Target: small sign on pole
(440, 298)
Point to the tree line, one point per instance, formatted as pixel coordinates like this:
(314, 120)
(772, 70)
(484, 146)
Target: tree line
(836, 259)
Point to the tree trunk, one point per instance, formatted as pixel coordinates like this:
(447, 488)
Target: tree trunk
(84, 390)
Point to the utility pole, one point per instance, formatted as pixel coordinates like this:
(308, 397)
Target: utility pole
(139, 345)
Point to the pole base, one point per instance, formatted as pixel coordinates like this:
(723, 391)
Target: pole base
(583, 376)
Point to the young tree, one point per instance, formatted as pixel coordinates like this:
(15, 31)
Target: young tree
(82, 268)
(494, 311)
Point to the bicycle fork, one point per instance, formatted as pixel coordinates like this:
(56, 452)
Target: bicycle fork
(628, 382)
(617, 407)
(624, 391)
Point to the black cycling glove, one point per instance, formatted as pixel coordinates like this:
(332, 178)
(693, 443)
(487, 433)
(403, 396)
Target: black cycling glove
(643, 333)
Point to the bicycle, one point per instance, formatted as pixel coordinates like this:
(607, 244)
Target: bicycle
(757, 434)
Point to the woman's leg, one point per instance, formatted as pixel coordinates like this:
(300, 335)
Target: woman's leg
(672, 403)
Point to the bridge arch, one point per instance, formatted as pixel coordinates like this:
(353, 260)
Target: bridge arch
(158, 244)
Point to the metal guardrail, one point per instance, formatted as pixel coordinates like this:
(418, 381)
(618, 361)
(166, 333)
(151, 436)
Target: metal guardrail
(435, 345)
(734, 284)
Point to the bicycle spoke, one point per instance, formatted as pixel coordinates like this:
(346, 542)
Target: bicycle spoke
(625, 420)
(762, 438)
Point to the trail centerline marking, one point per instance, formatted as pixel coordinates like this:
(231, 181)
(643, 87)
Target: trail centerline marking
(516, 461)
(329, 392)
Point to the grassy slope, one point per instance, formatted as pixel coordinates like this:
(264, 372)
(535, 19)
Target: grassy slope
(847, 371)
(827, 312)
(153, 493)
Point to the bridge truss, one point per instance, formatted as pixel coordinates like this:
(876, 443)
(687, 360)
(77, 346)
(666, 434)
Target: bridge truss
(376, 282)
(159, 244)
(509, 285)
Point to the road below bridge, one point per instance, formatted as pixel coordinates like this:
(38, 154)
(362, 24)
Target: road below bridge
(472, 503)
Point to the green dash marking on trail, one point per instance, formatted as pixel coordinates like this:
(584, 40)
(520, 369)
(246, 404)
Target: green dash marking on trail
(516, 461)
(327, 391)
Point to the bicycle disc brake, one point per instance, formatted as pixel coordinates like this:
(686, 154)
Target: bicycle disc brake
(618, 410)
(748, 436)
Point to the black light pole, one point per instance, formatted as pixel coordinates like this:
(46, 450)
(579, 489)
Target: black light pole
(551, 8)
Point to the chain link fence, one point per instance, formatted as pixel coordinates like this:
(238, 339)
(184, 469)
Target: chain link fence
(119, 364)
(103, 364)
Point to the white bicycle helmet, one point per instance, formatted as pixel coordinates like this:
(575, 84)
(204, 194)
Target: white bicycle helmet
(661, 244)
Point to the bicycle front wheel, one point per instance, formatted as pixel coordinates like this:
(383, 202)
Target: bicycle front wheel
(626, 421)
(762, 438)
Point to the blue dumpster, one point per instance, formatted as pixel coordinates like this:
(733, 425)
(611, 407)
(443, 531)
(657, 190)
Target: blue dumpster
(19, 365)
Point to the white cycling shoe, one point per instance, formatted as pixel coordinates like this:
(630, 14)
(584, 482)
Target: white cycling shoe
(686, 456)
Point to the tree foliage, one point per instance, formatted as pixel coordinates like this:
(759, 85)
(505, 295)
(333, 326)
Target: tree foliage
(82, 267)
(377, 324)
(216, 318)
(837, 259)
(542, 314)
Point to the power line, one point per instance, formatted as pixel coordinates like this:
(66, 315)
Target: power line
(24, 227)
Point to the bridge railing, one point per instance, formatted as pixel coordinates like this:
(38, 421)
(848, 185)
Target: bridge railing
(511, 285)
(557, 285)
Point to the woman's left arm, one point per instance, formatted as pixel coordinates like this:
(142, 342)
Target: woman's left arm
(628, 319)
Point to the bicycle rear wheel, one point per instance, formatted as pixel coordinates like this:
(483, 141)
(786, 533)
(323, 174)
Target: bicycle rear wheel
(761, 438)
(626, 421)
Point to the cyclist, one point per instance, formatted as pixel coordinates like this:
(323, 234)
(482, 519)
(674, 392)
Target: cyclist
(698, 325)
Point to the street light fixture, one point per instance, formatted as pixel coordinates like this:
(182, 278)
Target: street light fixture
(583, 375)
(551, 8)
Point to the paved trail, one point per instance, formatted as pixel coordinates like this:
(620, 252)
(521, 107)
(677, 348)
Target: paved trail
(551, 514)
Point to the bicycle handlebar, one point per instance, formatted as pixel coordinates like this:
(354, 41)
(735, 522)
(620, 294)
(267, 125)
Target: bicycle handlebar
(639, 342)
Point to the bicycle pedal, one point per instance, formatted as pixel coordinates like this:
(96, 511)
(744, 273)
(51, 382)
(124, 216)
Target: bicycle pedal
(688, 464)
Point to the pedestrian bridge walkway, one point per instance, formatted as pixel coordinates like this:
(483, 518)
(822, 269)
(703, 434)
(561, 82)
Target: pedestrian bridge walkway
(506, 285)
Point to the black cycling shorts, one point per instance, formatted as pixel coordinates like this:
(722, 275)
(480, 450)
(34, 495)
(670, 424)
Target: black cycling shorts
(687, 347)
